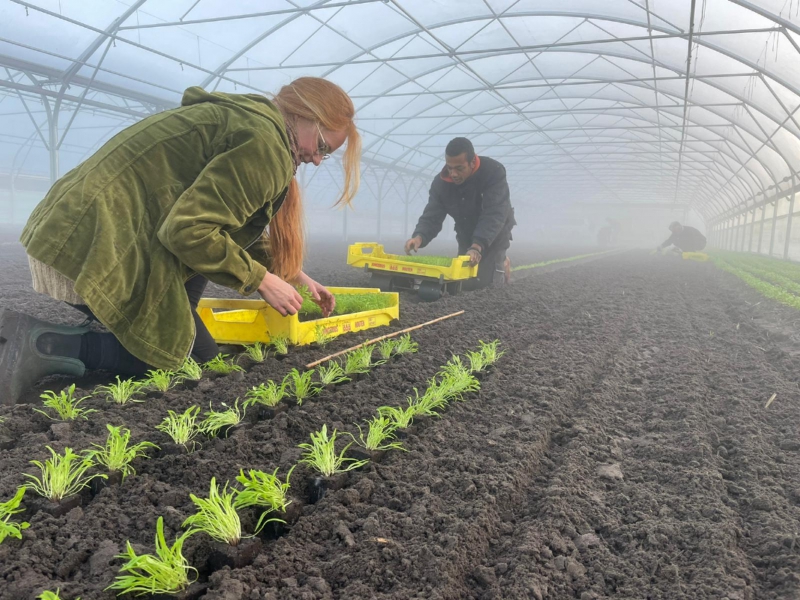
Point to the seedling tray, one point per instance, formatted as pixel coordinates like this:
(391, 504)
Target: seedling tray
(372, 257)
(249, 321)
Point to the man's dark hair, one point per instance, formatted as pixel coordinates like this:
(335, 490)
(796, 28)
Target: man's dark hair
(460, 145)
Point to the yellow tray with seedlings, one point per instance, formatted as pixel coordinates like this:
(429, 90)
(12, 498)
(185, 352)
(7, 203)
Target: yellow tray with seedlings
(249, 321)
(695, 256)
(372, 256)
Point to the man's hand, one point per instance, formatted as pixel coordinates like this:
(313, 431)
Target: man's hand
(474, 253)
(413, 244)
(280, 295)
(319, 294)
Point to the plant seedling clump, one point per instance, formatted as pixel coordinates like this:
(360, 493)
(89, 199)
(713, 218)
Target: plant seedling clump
(439, 261)
(281, 344)
(332, 374)
(181, 428)
(122, 392)
(490, 351)
(265, 490)
(405, 345)
(380, 432)
(117, 454)
(160, 380)
(359, 360)
(269, 395)
(301, 385)
(257, 352)
(165, 573)
(65, 405)
(61, 476)
(49, 595)
(219, 365)
(321, 455)
(386, 348)
(347, 304)
(190, 370)
(401, 418)
(216, 420)
(321, 336)
(216, 515)
(9, 529)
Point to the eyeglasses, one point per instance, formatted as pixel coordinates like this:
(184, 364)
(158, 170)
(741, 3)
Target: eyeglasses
(323, 149)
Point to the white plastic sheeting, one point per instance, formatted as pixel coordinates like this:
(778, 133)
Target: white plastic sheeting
(685, 101)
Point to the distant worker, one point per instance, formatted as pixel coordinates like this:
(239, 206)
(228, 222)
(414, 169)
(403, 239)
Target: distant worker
(684, 238)
(473, 190)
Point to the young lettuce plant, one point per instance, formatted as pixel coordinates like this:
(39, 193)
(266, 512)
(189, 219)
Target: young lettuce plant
(49, 595)
(386, 348)
(219, 365)
(263, 490)
(430, 403)
(380, 432)
(65, 405)
(269, 395)
(8, 529)
(405, 345)
(117, 454)
(401, 418)
(281, 344)
(359, 360)
(160, 380)
(332, 374)
(61, 476)
(321, 455)
(455, 384)
(166, 573)
(322, 337)
(190, 370)
(490, 351)
(257, 352)
(216, 515)
(181, 428)
(300, 385)
(217, 420)
(476, 361)
(122, 392)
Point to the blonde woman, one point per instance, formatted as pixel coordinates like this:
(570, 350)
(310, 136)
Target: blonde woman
(204, 192)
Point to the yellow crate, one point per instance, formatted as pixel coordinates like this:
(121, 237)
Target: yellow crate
(248, 321)
(373, 257)
(696, 256)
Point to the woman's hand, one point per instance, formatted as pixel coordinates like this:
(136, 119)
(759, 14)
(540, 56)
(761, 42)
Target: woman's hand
(280, 295)
(319, 294)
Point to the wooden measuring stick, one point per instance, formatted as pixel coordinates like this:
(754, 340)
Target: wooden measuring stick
(380, 339)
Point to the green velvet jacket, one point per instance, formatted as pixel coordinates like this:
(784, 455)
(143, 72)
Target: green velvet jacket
(186, 191)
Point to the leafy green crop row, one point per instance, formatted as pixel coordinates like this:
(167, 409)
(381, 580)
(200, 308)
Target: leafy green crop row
(765, 288)
(559, 260)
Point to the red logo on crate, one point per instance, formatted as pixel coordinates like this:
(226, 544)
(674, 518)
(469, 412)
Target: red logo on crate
(345, 326)
(393, 267)
(422, 271)
(408, 269)
(372, 320)
(359, 323)
(379, 265)
(332, 329)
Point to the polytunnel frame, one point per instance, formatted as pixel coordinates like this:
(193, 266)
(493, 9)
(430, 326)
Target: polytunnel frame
(735, 201)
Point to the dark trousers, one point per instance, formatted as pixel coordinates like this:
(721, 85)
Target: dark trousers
(104, 351)
(490, 269)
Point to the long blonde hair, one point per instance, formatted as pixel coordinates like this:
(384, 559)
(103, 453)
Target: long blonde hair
(323, 102)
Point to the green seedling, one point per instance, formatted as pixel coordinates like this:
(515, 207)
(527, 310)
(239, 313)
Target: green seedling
(65, 405)
(405, 345)
(216, 515)
(321, 455)
(165, 573)
(61, 476)
(453, 386)
(181, 428)
(359, 360)
(322, 337)
(476, 361)
(160, 380)
(380, 432)
(332, 374)
(218, 364)
(117, 454)
(48, 595)
(347, 304)
(9, 529)
(264, 490)
(490, 352)
(257, 352)
(386, 348)
(430, 403)
(280, 343)
(439, 261)
(400, 417)
(190, 370)
(266, 395)
(122, 392)
(300, 385)
(216, 420)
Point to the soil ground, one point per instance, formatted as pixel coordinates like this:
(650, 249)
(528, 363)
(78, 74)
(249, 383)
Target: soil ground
(620, 449)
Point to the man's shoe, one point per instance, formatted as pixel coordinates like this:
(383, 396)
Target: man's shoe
(21, 362)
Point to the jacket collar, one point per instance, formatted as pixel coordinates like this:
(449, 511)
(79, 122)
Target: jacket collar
(448, 179)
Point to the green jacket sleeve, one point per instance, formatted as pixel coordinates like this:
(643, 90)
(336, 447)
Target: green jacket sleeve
(246, 173)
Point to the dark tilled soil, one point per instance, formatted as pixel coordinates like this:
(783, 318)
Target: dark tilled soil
(620, 449)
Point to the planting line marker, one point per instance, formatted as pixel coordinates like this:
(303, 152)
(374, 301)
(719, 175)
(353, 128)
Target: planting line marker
(383, 337)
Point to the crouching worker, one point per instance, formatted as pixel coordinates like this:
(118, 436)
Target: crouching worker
(684, 238)
(204, 192)
(473, 190)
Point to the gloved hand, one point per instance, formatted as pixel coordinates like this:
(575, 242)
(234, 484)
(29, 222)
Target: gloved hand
(474, 254)
(413, 244)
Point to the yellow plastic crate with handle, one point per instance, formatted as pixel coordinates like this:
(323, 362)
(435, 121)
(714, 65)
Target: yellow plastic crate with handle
(373, 257)
(248, 321)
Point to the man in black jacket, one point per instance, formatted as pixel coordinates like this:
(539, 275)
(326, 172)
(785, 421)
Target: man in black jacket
(684, 238)
(473, 190)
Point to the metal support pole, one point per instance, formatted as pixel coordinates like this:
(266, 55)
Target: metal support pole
(774, 222)
(788, 239)
(735, 234)
(761, 227)
(752, 231)
(52, 143)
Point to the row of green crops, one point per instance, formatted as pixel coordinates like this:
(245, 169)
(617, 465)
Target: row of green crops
(769, 277)
(559, 260)
(346, 304)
